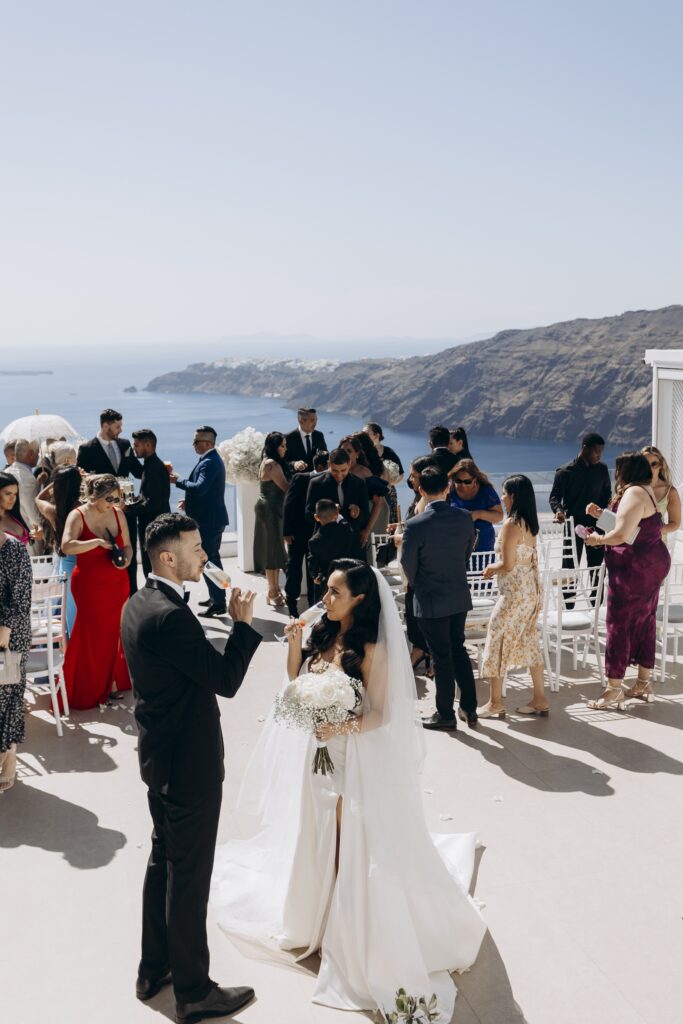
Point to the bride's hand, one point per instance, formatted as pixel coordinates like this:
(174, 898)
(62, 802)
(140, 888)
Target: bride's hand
(293, 631)
(326, 732)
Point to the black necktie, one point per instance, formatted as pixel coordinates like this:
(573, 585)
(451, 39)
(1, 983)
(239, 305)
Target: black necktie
(186, 596)
(308, 447)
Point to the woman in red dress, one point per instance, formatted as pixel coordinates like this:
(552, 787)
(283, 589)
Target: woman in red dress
(95, 668)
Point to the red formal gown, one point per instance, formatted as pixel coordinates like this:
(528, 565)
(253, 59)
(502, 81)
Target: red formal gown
(94, 657)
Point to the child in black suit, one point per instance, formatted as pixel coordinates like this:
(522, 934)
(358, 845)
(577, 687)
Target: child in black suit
(332, 539)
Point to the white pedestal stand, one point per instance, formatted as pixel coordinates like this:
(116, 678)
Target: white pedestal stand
(247, 495)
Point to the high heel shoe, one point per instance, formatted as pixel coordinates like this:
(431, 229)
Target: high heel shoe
(644, 692)
(484, 713)
(276, 600)
(612, 696)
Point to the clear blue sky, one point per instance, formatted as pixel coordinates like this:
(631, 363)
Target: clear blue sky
(176, 173)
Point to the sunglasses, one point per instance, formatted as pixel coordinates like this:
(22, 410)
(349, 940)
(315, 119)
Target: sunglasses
(460, 482)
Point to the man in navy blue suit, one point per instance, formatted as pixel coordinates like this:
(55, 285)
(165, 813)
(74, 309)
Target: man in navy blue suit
(205, 503)
(435, 553)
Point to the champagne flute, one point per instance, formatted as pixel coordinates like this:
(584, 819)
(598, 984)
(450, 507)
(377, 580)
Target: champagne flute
(216, 575)
(307, 618)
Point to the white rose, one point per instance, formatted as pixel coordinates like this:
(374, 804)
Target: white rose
(347, 698)
(327, 694)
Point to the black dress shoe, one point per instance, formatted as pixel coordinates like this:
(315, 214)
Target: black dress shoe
(468, 716)
(213, 612)
(146, 988)
(435, 721)
(220, 1002)
(206, 604)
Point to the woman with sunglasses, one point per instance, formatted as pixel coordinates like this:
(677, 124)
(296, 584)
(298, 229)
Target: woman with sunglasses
(666, 495)
(472, 490)
(94, 667)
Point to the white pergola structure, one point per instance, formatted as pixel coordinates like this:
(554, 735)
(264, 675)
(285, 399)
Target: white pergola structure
(667, 406)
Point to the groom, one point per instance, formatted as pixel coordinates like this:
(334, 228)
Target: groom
(176, 675)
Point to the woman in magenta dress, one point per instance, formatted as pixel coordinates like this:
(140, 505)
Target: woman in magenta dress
(95, 668)
(635, 574)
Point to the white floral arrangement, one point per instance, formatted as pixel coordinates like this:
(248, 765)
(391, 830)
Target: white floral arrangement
(318, 698)
(413, 1010)
(241, 455)
(391, 471)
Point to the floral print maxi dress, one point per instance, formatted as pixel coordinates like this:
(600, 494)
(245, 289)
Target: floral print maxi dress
(512, 638)
(16, 579)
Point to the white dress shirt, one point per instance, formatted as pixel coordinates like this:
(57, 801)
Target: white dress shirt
(180, 590)
(112, 451)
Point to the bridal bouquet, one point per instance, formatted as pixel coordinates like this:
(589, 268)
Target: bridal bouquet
(411, 1010)
(318, 698)
(392, 471)
(241, 455)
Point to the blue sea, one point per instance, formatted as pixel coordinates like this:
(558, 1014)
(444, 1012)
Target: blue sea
(81, 391)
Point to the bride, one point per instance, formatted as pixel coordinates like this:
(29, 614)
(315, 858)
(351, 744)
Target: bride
(343, 863)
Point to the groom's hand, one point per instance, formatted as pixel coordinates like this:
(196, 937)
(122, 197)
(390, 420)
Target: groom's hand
(241, 607)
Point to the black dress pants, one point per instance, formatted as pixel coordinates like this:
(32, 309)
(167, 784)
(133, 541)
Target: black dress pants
(211, 542)
(297, 553)
(132, 521)
(176, 889)
(446, 644)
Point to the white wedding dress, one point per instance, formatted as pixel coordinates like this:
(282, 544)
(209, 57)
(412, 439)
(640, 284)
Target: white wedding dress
(398, 913)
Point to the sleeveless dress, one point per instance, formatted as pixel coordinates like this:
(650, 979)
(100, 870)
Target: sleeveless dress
(662, 508)
(269, 546)
(94, 657)
(512, 637)
(280, 890)
(635, 574)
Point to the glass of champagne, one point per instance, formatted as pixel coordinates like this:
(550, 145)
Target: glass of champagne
(216, 575)
(307, 618)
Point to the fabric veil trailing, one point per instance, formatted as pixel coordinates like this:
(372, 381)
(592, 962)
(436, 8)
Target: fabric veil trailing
(399, 914)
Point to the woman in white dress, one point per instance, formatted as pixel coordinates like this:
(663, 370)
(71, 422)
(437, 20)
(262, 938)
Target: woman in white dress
(343, 864)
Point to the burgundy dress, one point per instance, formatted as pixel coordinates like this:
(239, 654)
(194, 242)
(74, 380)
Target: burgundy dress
(636, 572)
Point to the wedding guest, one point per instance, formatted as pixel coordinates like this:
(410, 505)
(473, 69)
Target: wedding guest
(435, 552)
(303, 442)
(333, 539)
(297, 529)
(8, 452)
(419, 652)
(636, 569)
(512, 637)
(55, 502)
(387, 454)
(155, 488)
(62, 454)
(458, 443)
(16, 580)
(108, 452)
(25, 460)
(339, 485)
(94, 667)
(177, 673)
(472, 491)
(442, 456)
(579, 483)
(12, 521)
(377, 488)
(205, 503)
(667, 496)
(269, 549)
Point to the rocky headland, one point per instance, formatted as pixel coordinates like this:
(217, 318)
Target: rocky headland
(549, 383)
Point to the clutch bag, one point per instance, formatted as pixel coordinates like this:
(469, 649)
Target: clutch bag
(10, 668)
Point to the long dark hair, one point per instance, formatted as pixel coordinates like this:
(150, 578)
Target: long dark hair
(66, 492)
(273, 441)
(630, 468)
(9, 480)
(523, 509)
(372, 459)
(360, 579)
(460, 434)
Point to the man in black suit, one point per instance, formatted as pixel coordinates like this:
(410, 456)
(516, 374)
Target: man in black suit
(435, 553)
(441, 456)
(155, 488)
(303, 442)
(333, 539)
(347, 491)
(297, 529)
(108, 452)
(176, 674)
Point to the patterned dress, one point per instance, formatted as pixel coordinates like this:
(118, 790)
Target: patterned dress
(16, 579)
(512, 638)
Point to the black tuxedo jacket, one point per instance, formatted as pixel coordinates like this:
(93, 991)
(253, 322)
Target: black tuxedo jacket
(295, 522)
(435, 553)
(93, 458)
(176, 674)
(323, 485)
(296, 451)
(155, 492)
(333, 540)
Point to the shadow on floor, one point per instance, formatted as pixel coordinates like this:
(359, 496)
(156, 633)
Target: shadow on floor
(31, 817)
(78, 750)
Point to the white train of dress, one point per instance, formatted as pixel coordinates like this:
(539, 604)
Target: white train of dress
(398, 913)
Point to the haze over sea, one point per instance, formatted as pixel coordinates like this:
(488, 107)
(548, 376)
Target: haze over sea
(79, 392)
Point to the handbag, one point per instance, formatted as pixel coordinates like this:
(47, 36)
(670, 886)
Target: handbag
(10, 667)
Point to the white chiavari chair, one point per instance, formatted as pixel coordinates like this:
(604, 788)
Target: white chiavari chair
(48, 639)
(560, 624)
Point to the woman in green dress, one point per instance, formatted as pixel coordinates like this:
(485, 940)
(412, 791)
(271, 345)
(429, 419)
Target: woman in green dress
(269, 547)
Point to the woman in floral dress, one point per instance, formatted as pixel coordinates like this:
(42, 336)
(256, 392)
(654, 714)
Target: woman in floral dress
(16, 580)
(512, 638)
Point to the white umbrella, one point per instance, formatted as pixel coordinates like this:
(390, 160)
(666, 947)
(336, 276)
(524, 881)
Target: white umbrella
(38, 428)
